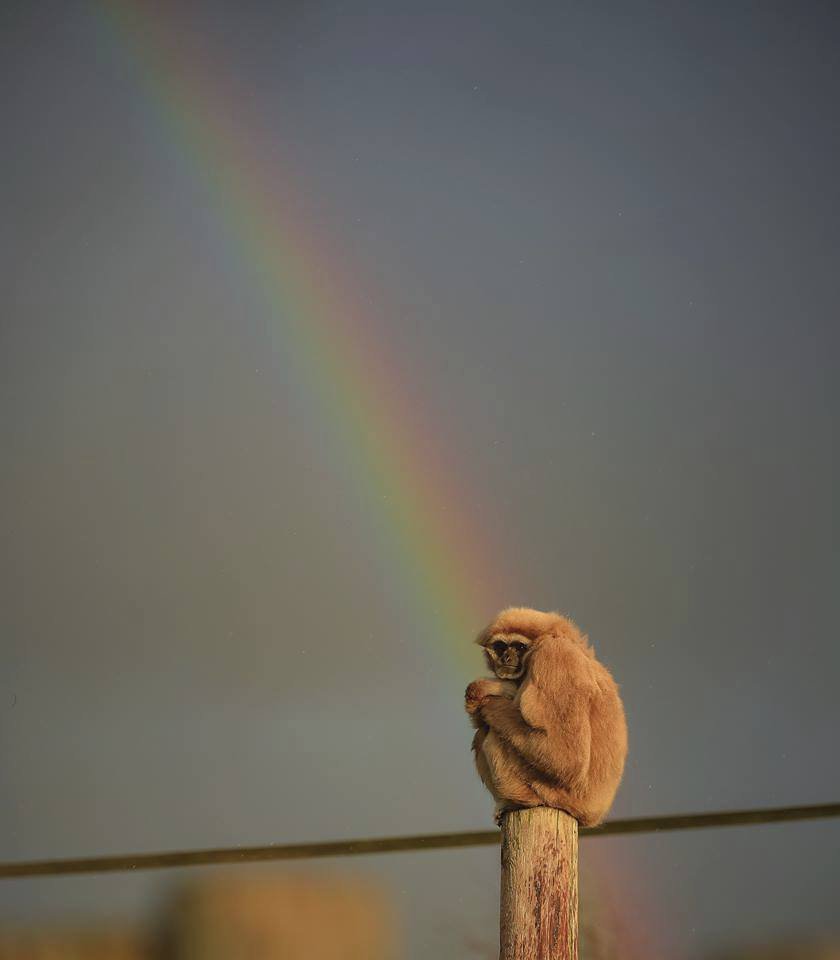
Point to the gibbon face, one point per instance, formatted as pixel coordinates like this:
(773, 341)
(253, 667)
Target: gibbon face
(507, 654)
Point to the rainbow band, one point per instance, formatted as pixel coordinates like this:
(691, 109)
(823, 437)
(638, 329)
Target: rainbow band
(416, 515)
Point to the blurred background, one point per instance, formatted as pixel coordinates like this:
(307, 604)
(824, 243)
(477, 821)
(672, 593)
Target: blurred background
(328, 330)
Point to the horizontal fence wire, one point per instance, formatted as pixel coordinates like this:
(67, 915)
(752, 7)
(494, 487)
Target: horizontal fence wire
(433, 841)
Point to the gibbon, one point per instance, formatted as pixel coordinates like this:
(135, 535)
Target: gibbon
(550, 729)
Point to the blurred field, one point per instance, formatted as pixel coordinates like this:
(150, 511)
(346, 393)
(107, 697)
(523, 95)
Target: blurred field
(251, 918)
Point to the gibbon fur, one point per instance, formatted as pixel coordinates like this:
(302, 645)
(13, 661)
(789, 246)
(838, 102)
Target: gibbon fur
(550, 729)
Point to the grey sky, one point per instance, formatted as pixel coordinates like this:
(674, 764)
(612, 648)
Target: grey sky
(602, 243)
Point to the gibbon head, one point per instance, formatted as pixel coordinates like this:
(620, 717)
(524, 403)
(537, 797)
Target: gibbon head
(506, 654)
(516, 632)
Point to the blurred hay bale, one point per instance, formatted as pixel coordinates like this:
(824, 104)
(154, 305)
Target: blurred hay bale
(274, 917)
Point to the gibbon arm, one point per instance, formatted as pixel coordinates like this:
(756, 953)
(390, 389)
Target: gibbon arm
(548, 722)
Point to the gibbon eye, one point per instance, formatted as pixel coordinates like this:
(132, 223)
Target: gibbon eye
(499, 646)
(519, 647)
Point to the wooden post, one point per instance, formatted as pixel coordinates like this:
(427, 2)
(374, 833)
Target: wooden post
(539, 902)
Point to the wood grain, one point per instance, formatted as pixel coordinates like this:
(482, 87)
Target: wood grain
(539, 891)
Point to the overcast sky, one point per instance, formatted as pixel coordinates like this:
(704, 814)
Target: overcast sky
(599, 244)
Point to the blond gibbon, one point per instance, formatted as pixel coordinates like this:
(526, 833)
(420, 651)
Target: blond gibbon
(550, 729)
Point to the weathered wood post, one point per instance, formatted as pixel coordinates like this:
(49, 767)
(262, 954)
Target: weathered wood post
(539, 902)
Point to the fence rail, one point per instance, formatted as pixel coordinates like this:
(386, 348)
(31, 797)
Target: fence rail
(434, 841)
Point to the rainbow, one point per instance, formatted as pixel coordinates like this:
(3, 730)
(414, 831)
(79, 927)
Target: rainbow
(417, 515)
